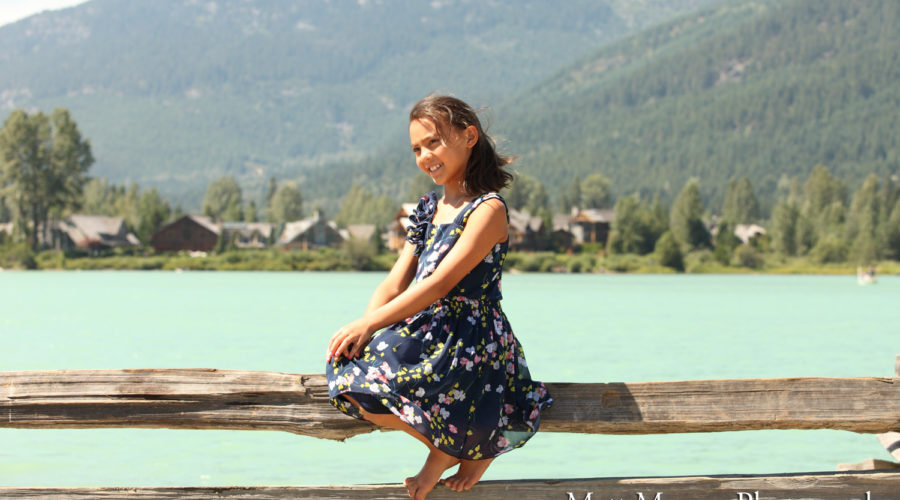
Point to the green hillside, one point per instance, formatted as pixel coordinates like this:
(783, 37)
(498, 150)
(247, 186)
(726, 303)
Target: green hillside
(760, 89)
(174, 93)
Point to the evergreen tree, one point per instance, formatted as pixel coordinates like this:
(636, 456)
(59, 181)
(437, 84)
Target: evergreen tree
(686, 217)
(741, 205)
(784, 229)
(153, 213)
(250, 215)
(572, 198)
(862, 228)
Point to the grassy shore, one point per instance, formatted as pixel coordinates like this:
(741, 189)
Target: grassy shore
(329, 259)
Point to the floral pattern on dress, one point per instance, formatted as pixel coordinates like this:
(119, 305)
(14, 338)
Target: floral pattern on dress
(455, 371)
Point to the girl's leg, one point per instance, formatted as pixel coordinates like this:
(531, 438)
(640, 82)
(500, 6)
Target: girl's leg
(437, 462)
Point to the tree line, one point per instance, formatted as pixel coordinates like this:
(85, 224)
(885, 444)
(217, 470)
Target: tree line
(45, 159)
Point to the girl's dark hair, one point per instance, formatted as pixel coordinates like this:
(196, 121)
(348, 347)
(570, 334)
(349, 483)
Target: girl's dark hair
(485, 171)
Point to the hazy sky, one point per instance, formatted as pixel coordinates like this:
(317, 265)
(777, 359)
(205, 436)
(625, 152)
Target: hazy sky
(13, 10)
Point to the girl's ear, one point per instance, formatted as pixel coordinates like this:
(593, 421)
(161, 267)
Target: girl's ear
(471, 135)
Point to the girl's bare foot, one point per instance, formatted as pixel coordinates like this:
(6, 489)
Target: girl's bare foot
(470, 471)
(422, 483)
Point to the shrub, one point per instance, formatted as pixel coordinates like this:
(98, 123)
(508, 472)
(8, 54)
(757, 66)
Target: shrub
(668, 252)
(747, 256)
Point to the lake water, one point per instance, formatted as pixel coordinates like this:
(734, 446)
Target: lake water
(575, 328)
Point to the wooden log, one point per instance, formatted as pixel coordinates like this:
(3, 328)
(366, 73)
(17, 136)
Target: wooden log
(228, 399)
(813, 486)
(891, 440)
(869, 464)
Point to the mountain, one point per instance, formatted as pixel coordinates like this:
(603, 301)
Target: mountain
(173, 93)
(760, 89)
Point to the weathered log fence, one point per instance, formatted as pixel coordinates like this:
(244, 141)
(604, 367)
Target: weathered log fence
(298, 403)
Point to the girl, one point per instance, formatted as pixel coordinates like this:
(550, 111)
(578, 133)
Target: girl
(447, 369)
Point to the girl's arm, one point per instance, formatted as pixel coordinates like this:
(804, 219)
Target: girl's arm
(401, 275)
(485, 228)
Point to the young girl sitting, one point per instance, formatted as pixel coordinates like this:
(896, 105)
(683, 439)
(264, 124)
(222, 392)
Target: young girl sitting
(447, 368)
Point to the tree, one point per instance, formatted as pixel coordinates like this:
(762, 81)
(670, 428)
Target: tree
(250, 215)
(270, 190)
(741, 205)
(223, 200)
(892, 234)
(43, 161)
(571, 198)
(686, 217)
(287, 203)
(595, 191)
(418, 186)
(153, 211)
(784, 227)
(634, 228)
(668, 252)
(360, 206)
(863, 221)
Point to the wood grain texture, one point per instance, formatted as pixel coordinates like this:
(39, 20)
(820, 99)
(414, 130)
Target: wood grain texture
(813, 486)
(298, 403)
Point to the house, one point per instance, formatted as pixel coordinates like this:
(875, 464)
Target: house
(6, 230)
(525, 231)
(248, 234)
(91, 232)
(591, 225)
(312, 232)
(561, 238)
(746, 232)
(188, 233)
(396, 231)
(358, 231)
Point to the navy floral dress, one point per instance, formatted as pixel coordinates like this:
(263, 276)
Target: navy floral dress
(454, 371)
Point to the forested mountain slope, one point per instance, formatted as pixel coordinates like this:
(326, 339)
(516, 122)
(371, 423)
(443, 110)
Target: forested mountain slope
(173, 93)
(760, 89)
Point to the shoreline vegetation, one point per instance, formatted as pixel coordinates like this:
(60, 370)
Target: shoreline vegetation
(332, 259)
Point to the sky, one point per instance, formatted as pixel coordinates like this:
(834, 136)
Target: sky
(13, 10)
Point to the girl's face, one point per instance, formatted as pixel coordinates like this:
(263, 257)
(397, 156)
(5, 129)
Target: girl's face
(442, 158)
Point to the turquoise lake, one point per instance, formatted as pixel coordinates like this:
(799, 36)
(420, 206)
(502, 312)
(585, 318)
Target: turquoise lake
(574, 328)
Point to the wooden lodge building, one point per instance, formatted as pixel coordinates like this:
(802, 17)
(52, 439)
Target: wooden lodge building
(195, 233)
(92, 233)
(309, 233)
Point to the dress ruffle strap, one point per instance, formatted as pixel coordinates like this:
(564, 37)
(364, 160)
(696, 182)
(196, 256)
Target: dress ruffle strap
(419, 219)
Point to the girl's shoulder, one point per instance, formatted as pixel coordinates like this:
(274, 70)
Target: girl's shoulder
(479, 200)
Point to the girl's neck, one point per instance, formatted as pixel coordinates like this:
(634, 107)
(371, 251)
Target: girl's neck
(455, 195)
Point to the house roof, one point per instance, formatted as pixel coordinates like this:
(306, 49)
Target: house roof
(294, 229)
(521, 220)
(87, 229)
(745, 232)
(246, 229)
(206, 222)
(361, 231)
(595, 215)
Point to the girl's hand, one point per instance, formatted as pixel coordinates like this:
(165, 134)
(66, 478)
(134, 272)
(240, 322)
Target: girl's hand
(350, 340)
